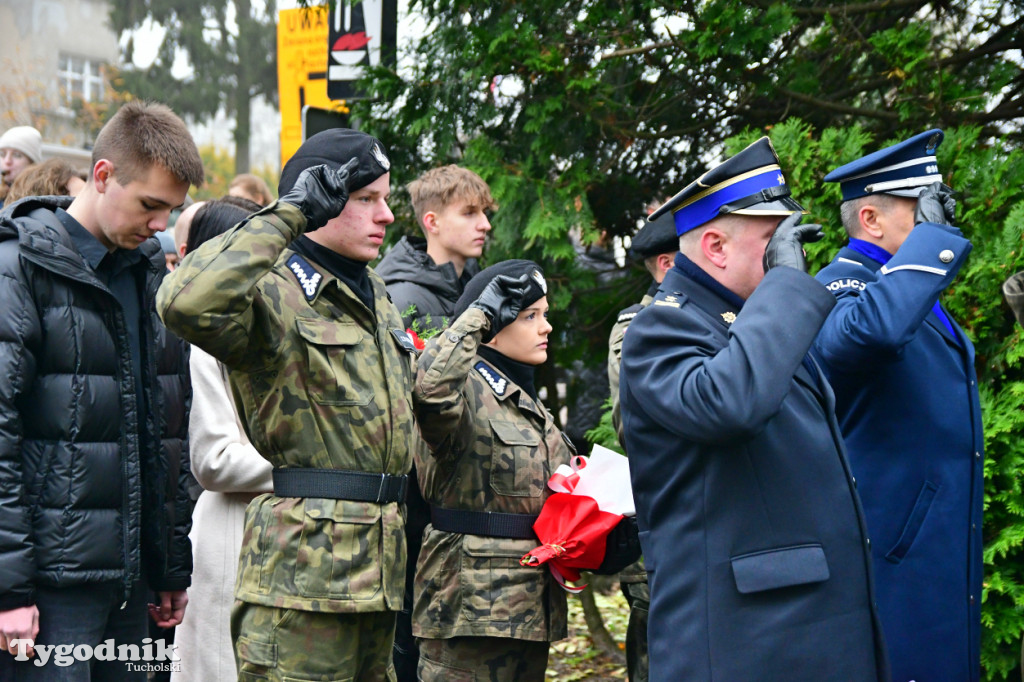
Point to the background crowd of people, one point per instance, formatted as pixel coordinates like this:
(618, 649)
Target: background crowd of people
(337, 467)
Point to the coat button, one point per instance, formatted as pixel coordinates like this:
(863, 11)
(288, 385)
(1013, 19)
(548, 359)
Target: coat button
(946, 256)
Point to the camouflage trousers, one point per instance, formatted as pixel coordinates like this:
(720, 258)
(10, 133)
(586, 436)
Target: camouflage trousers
(278, 645)
(482, 659)
(638, 596)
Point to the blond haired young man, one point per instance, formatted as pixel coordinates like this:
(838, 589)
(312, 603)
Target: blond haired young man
(429, 273)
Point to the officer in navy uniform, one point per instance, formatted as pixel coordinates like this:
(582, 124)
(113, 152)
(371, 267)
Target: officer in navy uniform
(656, 245)
(752, 533)
(907, 401)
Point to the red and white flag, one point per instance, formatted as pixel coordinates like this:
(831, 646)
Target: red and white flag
(591, 497)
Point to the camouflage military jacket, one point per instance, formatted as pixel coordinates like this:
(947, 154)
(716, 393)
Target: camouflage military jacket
(491, 448)
(320, 382)
(634, 573)
(618, 333)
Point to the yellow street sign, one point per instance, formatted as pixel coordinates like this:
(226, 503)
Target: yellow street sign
(301, 71)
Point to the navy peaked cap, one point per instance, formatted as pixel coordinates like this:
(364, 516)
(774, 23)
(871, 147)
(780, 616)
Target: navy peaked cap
(656, 237)
(750, 183)
(335, 147)
(904, 169)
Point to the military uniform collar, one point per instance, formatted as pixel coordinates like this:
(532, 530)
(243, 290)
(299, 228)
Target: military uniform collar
(316, 282)
(500, 385)
(682, 287)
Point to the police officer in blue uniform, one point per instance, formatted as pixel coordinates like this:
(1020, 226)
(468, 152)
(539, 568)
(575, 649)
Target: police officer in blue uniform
(907, 402)
(752, 534)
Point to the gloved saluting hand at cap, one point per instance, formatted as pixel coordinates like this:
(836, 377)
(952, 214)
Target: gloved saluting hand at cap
(321, 193)
(936, 204)
(501, 291)
(786, 247)
(351, 160)
(501, 300)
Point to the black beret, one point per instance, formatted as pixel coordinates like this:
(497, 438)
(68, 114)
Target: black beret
(335, 147)
(537, 286)
(656, 237)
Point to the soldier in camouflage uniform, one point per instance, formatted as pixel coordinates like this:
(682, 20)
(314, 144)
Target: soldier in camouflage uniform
(656, 244)
(320, 368)
(479, 614)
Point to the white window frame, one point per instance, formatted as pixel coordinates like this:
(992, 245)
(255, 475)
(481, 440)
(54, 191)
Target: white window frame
(88, 76)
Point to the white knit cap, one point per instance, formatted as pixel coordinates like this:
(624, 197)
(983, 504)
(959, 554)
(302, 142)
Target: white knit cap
(26, 140)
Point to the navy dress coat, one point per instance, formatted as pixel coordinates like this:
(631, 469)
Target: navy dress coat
(907, 402)
(752, 533)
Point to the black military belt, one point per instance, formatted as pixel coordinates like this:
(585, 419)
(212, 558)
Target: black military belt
(493, 524)
(336, 484)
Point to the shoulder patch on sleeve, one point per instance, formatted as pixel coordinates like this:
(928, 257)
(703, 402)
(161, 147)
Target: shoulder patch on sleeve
(306, 275)
(498, 383)
(842, 283)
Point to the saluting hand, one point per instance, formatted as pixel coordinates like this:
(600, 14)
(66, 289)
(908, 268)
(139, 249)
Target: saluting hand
(936, 204)
(786, 247)
(501, 301)
(321, 193)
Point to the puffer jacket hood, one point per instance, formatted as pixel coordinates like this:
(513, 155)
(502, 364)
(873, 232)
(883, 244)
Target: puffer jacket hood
(414, 279)
(90, 490)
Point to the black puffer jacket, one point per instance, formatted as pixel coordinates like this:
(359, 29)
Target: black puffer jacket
(83, 497)
(412, 278)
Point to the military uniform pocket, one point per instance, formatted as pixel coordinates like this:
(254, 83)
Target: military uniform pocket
(336, 375)
(339, 552)
(914, 523)
(517, 468)
(496, 587)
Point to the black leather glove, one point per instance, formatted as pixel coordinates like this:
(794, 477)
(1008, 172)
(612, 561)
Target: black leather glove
(501, 300)
(936, 204)
(321, 193)
(622, 547)
(786, 247)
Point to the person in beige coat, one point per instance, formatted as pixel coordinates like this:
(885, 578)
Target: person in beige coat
(231, 472)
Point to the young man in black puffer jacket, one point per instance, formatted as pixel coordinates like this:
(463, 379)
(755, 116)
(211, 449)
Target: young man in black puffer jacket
(94, 395)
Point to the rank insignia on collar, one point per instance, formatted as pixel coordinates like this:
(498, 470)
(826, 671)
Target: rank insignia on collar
(497, 383)
(729, 317)
(308, 278)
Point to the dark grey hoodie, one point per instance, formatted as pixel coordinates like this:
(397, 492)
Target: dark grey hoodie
(413, 279)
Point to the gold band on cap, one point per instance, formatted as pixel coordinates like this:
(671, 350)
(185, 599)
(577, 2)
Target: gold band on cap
(727, 183)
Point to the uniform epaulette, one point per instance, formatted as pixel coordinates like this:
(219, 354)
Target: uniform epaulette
(306, 275)
(498, 383)
(627, 314)
(674, 299)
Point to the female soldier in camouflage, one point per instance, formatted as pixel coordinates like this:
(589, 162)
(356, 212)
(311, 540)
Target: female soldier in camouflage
(478, 613)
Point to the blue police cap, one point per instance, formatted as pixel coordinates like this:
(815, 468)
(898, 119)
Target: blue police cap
(750, 183)
(903, 169)
(654, 238)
